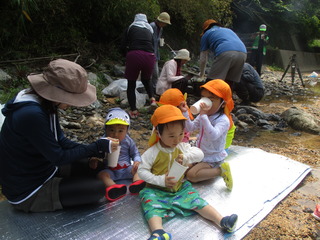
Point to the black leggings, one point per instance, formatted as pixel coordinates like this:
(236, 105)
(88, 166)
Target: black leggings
(131, 92)
(81, 186)
(80, 191)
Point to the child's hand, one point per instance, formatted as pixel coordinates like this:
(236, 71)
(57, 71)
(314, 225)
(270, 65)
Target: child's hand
(135, 168)
(183, 106)
(114, 143)
(170, 182)
(179, 159)
(203, 108)
(93, 162)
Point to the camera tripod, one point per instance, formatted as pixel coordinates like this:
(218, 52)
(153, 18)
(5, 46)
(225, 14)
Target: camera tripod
(294, 65)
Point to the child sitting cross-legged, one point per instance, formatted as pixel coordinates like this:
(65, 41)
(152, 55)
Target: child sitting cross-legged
(116, 127)
(214, 125)
(166, 196)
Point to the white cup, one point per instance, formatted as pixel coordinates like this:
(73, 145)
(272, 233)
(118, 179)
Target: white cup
(161, 42)
(195, 108)
(113, 157)
(177, 170)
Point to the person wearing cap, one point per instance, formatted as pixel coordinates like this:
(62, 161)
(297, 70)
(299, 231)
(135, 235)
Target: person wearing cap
(166, 196)
(162, 20)
(213, 125)
(116, 127)
(228, 50)
(171, 76)
(174, 97)
(34, 149)
(259, 49)
(137, 44)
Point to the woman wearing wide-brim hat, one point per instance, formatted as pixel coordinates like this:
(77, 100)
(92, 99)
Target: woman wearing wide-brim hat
(171, 76)
(33, 148)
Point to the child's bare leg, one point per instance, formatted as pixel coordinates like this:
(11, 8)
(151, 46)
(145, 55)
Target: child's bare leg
(135, 177)
(155, 223)
(227, 223)
(202, 171)
(105, 177)
(210, 213)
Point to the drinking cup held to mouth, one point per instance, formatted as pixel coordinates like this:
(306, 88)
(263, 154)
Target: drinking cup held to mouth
(177, 170)
(113, 157)
(195, 108)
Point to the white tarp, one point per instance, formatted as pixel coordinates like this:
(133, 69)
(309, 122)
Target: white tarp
(261, 181)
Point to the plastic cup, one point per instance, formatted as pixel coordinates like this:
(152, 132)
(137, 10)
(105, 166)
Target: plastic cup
(195, 108)
(113, 157)
(161, 42)
(177, 170)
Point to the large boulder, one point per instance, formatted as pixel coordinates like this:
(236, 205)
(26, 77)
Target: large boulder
(301, 120)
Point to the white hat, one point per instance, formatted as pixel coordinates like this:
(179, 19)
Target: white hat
(183, 54)
(164, 17)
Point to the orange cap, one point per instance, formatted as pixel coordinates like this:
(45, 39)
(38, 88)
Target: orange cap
(222, 89)
(206, 24)
(166, 114)
(174, 97)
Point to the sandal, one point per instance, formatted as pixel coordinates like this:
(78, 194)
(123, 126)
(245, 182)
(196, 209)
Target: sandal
(136, 187)
(162, 235)
(134, 114)
(116, 192)
(226, 175)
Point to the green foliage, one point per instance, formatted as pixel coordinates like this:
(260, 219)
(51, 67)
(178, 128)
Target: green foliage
(275, 68)
(315, 43)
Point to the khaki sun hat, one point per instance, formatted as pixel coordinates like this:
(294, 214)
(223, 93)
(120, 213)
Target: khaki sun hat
(183, 54)
(164, 17)
(64, 82)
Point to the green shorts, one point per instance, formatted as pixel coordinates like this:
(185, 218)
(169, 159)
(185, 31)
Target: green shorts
(156, 202)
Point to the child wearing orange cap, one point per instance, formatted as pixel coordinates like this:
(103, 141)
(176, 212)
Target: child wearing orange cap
(166, 196)
(213, 125)
(174, 97)
(116, 127)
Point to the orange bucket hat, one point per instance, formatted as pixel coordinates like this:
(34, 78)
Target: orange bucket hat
(174, 97)
(164, 114)
(222, 89)
(206, 24)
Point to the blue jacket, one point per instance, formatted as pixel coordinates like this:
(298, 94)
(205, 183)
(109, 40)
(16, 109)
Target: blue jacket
(31, 150)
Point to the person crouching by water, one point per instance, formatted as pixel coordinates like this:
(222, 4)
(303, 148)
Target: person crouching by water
(33, 147)
(171, 76)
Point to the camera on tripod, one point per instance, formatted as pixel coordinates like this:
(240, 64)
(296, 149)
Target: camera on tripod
(294, 65)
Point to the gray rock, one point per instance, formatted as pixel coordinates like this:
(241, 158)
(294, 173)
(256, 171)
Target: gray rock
(118, 70)
(4, 76)
(300, 120)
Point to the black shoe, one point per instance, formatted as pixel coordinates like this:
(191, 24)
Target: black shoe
(137, 186)
(228, 223)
